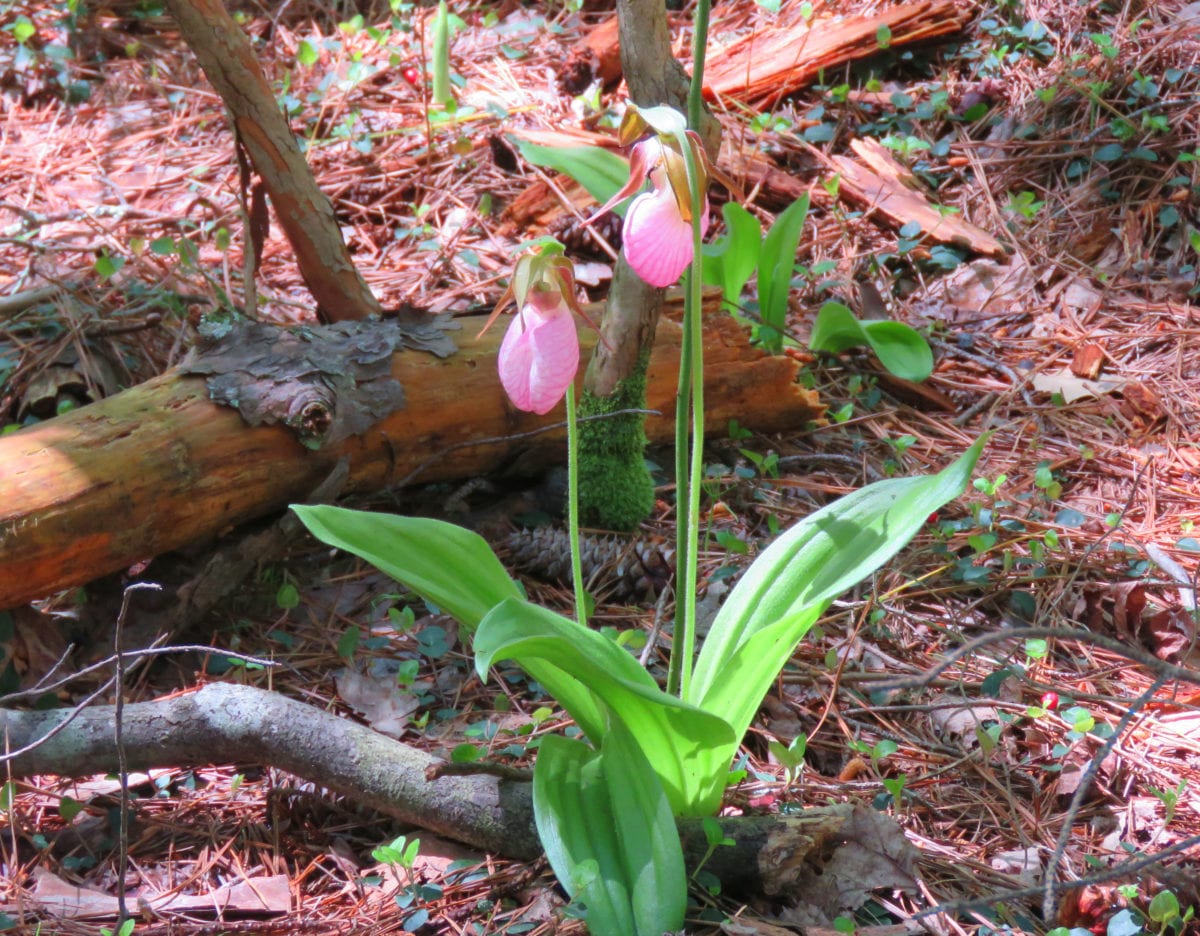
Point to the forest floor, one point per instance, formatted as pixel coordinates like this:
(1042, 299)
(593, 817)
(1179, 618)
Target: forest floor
(1068, 131)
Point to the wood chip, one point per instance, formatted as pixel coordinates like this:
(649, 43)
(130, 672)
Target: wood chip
(1087, 361)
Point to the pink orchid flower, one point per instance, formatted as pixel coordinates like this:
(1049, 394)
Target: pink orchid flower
(657, 233)
(540, 352)
(539, 355)
(657, 237)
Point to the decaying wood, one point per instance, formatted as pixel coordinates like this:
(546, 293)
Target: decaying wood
(596, 57)
(887, 187)
(224, 723)
(159, 466)
(768, 65)
(303, 210)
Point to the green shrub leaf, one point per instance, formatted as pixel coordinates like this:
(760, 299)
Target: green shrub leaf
(899, 347)
(731, 260)
(776, 262)
(598, 170)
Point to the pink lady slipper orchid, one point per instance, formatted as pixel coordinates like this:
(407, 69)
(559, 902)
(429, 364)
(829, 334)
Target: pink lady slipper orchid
(657, 233)
(540, 352)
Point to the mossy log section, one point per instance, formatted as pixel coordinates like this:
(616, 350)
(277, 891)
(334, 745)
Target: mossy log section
(224, 723)
(159, 466)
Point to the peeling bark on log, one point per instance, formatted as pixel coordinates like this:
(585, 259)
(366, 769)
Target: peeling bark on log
(160, 466)
(768, 65)
(225, 723)
(304, 211)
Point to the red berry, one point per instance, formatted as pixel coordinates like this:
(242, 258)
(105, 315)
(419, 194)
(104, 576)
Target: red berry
(412, 76)
(933, 517)
(1049, 701)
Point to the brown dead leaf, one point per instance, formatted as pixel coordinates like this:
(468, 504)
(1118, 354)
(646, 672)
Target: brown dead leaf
(53, 895)
(1073, 388)
(869, 852)
(378, 699)
(1024, 863)
(963, 724)
(1129, 601)
(749, 926)
(1171, 633)
(980, 289)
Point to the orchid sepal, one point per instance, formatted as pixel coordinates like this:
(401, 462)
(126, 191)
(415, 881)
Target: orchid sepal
(546, 265)
(640, 163)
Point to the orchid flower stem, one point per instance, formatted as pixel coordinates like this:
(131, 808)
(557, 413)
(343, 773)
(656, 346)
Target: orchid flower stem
(683, 400)
(690, 397)
(695, 345)
(581, 608)
(695, 102)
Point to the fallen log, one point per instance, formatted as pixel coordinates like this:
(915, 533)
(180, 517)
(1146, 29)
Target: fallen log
(225, 723)
(160, 466)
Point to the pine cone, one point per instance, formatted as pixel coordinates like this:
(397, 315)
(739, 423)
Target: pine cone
(575, 237)
(614, 568)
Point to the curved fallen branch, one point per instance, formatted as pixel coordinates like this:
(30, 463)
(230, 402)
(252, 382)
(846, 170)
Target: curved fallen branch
(227, 723)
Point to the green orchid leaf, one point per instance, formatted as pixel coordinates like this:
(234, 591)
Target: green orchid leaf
(899, 347)
(607, 828)
(449, 566)
(574, 821)
(731, 260)
(777, 260)
(598, 170)
(645, 829)
(749, 671)
(789, 585)
(683, 743)
(443, 563)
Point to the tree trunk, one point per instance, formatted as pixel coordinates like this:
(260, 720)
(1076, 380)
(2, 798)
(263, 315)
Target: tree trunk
(617, 371)
(303, 210)
(160, 465)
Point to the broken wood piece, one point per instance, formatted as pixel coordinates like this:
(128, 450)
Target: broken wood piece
(1087, 360)
(160, 465)
(886, 187)
(768, 65)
